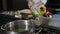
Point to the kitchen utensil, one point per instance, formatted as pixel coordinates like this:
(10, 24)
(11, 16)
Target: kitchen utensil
(25, 15)
(41, 20)
(19, 26)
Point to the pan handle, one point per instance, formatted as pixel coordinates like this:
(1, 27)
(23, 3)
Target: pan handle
(3, 27)
(39, 31)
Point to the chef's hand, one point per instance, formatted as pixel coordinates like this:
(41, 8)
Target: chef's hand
(29, 4)
(33, 7)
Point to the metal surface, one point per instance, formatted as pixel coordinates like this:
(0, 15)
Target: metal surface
(11, 13)
(41, 20)
(54, 23)
(9, 32)
(21, 26)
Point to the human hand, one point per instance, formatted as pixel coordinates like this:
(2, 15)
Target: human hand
(33, 7)
(29, 4)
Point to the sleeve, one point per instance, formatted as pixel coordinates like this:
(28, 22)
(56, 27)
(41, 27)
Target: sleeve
(44, 1)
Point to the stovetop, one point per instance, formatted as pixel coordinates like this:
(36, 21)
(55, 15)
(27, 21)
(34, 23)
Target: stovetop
(46, 30)
(6, 18)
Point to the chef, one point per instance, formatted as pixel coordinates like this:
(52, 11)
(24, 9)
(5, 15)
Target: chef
(36, 4)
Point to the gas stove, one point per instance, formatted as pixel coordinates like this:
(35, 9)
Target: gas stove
(43, 30)
(46, 30)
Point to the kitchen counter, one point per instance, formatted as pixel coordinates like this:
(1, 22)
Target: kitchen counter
(54, 23)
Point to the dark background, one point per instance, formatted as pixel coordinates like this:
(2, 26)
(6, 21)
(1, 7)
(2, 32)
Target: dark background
(15, 5)
(1, 6)
(22, 4)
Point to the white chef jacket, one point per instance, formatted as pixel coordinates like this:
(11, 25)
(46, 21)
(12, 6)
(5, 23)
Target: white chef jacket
(38, 7)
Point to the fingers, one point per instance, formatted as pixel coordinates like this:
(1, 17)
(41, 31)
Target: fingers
(29, 5)
(33, 7)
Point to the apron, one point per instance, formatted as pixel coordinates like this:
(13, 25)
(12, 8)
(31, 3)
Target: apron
(40, 6)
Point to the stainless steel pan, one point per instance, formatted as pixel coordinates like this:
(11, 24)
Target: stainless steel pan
(19, 26)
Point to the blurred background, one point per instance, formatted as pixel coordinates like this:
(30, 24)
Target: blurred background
(9, 6)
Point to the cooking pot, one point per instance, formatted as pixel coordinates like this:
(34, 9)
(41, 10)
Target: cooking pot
(21, 26)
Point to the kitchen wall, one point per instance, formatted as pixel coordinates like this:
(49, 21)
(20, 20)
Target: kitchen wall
(1, 6)
(13, 4)
(20, 4)
(16, 4)
(53, 3)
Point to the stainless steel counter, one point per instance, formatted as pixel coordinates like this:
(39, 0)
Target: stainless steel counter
(54, 23)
